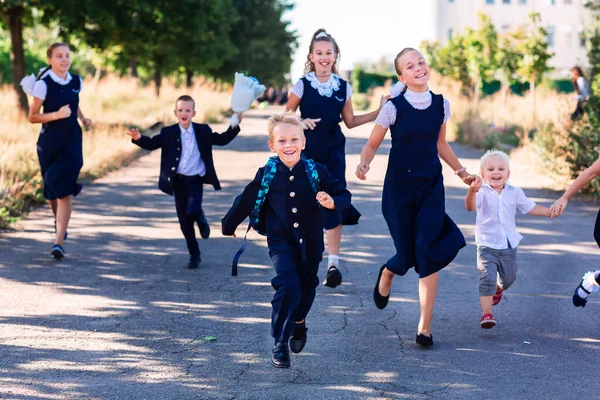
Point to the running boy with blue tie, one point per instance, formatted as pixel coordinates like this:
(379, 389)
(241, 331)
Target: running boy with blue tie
(186, 164)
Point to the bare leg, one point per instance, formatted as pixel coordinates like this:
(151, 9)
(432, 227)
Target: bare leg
(385, 283)
(427, 293)
(53, 207)
(334, 237)
(486, 304)
(63, 215)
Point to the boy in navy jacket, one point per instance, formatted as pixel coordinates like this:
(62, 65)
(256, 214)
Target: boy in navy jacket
(292, 219)
(186, 164)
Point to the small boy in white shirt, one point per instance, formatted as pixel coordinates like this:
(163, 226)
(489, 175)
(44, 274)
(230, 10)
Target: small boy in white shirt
(496, 235)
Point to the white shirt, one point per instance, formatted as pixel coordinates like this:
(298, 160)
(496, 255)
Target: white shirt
(40, 89)
(495, 222)
(584, 89)
(419, 100)
(191, 161)
(326, 89)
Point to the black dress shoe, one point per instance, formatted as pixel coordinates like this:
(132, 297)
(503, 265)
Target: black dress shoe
(333, 278)
(380, 301)
(204, 228)
(424, 340)
(281, 356)
(194, 262)
(298, 338)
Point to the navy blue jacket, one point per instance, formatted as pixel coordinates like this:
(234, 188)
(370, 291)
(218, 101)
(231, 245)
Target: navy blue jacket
(169, 139)
(291, 215)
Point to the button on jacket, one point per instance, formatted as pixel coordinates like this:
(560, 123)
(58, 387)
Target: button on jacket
(291, 215)
(495, 223)
(169, 139)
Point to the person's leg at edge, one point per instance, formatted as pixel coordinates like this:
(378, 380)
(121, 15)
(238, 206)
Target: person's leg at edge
(427, 294)
(64, 206)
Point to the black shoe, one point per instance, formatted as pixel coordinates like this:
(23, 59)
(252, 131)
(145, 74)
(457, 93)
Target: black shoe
(57, 252)
(298, 338)
(281, 356)
(194, 262)
(333, 278)
(380, 301)
(204, 228)
(424, 340)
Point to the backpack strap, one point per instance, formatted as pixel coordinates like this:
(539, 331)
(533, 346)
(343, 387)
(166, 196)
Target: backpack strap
(265, 184)
(312, 173)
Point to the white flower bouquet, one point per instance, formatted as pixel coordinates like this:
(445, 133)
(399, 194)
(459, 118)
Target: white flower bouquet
(246, 89)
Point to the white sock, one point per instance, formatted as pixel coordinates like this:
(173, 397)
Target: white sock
(333, 260)
(589, 283)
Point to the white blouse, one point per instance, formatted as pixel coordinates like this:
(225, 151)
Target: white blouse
(40, 89)
(420, 101)
(324, 88)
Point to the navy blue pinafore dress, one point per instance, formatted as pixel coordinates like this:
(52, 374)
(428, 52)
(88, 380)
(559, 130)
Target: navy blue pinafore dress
(413, 192)
(59, 146)
(326, 144)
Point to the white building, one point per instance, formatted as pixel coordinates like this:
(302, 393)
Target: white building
(565, 21)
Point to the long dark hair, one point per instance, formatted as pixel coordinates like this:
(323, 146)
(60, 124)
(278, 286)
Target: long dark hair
(310, 66)
(577, 72)
(49, 52)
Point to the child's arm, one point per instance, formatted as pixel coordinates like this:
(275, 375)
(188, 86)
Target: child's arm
(540, 211)
(242, 206)
(447, 154)
(292, 105)
(145, 142)
(471, 198)
(582, 180)
(222, 139)
(352, 120)
(332, 195)
(368, 151)
(36, 117)
(87, 123)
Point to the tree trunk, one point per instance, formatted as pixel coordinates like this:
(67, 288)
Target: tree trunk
(504, 93)
(96, 79)
(157, 77)
(133, 73)
(17, 56)
(533, 104)
(189, 78)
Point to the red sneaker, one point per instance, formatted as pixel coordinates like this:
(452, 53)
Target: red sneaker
(497, 297)
(488, 321)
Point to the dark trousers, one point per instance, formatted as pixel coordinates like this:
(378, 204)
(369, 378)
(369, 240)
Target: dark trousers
(187, 191)
(295, 288)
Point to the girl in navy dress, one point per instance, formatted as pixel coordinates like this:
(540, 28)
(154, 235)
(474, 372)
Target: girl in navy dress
(59, 145)
(413, 191)
(322, 97)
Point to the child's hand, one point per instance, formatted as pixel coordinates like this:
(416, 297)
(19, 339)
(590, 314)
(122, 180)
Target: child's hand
(383, 100)
(326, 200)
(361, 171)
(63, 112)
(470, 179)
(87, 123)
(240, 117)
(310, 123)
(476, 184)
(135, 134)
(558, 207)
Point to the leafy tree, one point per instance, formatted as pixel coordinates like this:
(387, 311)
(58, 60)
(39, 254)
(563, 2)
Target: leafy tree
(507, 59)
(480, 48)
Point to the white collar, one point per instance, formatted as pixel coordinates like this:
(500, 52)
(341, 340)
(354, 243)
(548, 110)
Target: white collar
(190, 129)
(507, 187)
(57, 78)
(417, 97)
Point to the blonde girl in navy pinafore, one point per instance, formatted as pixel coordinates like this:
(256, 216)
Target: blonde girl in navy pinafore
(59, 146)
(324, 99)
(413, 202)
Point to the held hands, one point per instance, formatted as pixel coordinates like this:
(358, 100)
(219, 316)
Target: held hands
(558, 207)
(310, 123)
(326, 200)
(63, 112)
(361, 171)
(135, 134)
(473, 181)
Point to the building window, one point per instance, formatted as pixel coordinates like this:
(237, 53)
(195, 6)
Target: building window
(450, 31)
(522, 1)
(582, 39)
(568, 1)
(505, 1)
(550, 37)
(552, 2)
(489, 1)
(450, 1)
(504, 28)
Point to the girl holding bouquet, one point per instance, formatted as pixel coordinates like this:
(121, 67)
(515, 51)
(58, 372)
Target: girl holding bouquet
(323, 96)
(59, 146)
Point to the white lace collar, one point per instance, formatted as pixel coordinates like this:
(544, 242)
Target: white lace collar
(324, 88)
(417, 97)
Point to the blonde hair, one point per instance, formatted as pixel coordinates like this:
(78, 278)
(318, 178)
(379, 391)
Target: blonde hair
(493, 153)
(399, 56)
(309, 66)
(288, 117)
